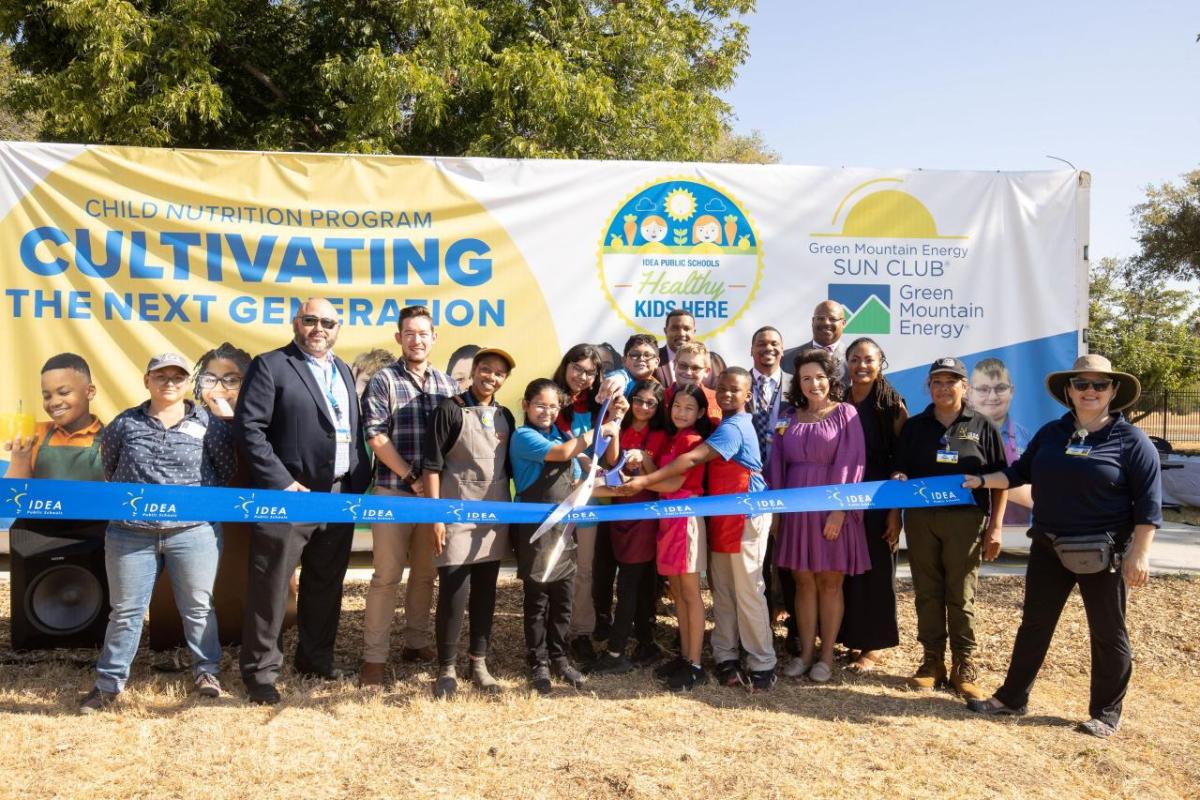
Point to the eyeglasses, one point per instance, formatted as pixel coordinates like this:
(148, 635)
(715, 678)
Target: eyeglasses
(999, 388)
(689, 369)
(583, 373)
(643, 402)
(310, 320)
(1082, 384)
(642, 356)
(821, 318)
(545, 409)
(208, 381)
(168, 378)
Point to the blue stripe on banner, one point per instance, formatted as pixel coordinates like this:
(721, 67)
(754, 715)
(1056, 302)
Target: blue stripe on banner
(86, 500)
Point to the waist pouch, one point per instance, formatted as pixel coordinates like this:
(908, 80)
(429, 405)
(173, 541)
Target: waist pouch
(1085, 554)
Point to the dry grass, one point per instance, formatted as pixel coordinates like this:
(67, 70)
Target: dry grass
(860, 736)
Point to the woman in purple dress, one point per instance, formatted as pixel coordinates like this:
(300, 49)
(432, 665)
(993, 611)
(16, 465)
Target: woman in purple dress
(818, 441)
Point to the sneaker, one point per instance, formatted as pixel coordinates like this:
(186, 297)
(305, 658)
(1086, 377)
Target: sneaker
(820, 672)
(582, 650)
(931, 674)
(96, 700)
(795, 668)
(687, 678)
(646, 654)
(565, 671)
(994, 708)
(762, 680)
(208, 685)
(730, 673)
(539, 678)
(603, 630)
(963, 675)
(610, 664)
(1096, 727)
(446, 686)
(263, 694)
(664, 671)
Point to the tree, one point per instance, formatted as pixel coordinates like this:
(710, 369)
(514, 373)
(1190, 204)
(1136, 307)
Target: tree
(1169, 230)
(1143, 327)
(736, 148)
(510, 78)
(13, 126)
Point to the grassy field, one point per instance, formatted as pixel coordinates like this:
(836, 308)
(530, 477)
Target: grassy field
(621, 737)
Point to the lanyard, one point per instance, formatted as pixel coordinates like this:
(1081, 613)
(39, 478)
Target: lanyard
(327, 386)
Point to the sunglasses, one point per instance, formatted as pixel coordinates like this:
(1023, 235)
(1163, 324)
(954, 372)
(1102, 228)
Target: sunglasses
(1082, 384)
(310, 320)
(168, 378)
(644, 403)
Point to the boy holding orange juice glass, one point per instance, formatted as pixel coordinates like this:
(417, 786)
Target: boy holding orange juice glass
(68, 446)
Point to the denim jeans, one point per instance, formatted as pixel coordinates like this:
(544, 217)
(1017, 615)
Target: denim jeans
(133, 560)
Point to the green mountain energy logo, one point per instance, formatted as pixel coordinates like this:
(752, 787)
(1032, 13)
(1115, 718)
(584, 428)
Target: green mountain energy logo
(868, 306)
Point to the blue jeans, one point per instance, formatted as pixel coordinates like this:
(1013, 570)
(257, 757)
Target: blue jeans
(133, 560)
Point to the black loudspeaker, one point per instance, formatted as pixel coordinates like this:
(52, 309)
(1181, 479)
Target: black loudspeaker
(59, 585)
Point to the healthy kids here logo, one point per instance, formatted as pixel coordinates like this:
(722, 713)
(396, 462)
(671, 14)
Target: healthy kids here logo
(868, 306)
(680, 243)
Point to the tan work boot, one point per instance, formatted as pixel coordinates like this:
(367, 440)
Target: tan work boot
(931, 674)
(963, 675)
(371, 676)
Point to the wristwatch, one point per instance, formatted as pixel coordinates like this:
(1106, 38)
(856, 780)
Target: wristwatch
(414, 474)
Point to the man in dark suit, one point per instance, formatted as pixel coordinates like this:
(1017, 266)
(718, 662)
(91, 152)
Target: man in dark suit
(828, 322)
(297, 424)
(680, 327)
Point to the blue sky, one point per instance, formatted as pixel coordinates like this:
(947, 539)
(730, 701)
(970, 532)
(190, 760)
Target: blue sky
(1109, 86)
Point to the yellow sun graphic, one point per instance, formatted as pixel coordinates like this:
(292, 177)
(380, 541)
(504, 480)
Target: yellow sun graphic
(680, 204)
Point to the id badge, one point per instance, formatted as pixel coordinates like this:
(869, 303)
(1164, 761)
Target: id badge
(947, 456)
(487, 417)
(193, 429)
(781, 427)
(344, 438)
(1079, 450)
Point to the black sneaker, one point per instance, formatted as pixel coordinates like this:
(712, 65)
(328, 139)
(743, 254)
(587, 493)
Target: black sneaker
(539, 678)
(603, 630)
(687, 678)
(96, 700)
(667, 669)
(762, 680)
(610, 664)
(566, 672)
(646, 654)
(730, 673)
(263, 694)
(582, 650)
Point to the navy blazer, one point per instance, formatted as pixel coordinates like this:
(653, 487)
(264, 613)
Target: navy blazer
(284, 428)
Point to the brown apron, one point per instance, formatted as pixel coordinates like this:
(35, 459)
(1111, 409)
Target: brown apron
(474, 470)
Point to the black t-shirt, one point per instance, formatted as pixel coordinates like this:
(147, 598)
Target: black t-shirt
(973, 440)
(445, 426)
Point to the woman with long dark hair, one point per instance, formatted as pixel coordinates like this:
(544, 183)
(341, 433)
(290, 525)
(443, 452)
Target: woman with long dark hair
(869, 622)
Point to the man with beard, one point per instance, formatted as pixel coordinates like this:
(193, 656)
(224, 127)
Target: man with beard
(297, 423)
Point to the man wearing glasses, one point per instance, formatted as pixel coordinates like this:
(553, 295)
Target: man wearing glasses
(297, 422)
(828, 322)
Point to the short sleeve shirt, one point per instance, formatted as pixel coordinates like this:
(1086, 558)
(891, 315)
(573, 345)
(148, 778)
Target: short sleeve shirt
(735, 440)
(528, 454)
(972, 438)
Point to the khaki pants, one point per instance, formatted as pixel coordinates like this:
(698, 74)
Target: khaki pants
(944, 551)
(740, 612)
(583, 610)
(394, 546)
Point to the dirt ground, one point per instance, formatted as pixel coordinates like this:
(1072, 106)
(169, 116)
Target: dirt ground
(621, 737)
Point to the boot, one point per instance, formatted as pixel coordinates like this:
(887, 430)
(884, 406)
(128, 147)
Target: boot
(931, 674)
(963, 675)
(480, 676)
(446, 684)
(371, 676)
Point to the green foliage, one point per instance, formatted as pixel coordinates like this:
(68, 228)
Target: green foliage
(505, 78)
(1143, 326)
(1169, 229)
(14, 127)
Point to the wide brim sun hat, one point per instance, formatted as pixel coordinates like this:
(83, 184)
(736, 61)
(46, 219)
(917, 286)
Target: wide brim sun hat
(1129, 388)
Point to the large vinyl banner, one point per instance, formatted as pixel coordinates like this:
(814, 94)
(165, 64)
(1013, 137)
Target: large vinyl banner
(121, 253)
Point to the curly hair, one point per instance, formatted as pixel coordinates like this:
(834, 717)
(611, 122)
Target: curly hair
(823, 359)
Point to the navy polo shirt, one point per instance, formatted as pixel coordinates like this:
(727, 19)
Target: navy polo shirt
(1115, 486)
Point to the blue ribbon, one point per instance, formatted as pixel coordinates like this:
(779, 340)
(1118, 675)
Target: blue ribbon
(86, 500)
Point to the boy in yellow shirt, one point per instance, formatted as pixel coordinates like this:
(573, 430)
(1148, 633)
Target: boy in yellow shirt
(68, 446)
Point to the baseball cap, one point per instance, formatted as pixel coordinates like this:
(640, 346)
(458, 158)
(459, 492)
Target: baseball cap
(955, 366)
(494, 351)
(164, 360)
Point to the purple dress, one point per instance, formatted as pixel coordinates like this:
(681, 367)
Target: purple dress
(818, 454)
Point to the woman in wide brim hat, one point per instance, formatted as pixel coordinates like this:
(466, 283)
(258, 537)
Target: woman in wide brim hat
(1127, 388)
(1092, 473)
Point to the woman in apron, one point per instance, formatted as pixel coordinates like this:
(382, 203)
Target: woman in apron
(466, 458)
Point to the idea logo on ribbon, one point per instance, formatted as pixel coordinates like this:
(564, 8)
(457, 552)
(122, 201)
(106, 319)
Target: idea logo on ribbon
(680, 243)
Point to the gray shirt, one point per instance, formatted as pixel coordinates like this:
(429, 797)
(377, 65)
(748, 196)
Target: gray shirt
(197, 451)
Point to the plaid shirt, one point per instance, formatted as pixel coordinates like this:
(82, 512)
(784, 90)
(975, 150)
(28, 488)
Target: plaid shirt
(396, 405)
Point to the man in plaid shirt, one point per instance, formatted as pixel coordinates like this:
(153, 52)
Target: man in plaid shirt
(396, 406)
